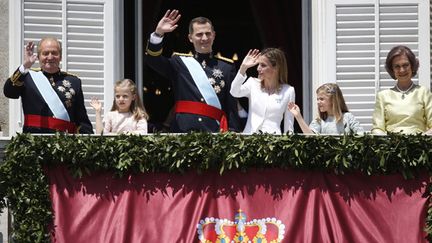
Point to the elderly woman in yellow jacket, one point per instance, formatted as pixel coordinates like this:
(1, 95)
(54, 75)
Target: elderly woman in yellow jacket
(407, 107)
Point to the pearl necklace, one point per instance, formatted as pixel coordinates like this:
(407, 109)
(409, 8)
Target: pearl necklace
(406, 91)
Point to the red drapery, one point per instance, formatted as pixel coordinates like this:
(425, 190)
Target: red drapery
(298, 206)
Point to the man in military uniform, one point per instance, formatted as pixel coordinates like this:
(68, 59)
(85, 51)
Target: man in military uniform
(52, 100)
(201, 80)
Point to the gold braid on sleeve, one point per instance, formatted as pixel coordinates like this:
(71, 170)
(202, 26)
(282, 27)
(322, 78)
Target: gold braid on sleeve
(15, 78)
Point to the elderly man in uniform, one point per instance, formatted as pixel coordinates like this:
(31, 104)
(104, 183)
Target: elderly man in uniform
(201, 81)
(52, 99)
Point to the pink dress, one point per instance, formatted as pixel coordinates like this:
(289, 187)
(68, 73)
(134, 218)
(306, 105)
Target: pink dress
(123, 122)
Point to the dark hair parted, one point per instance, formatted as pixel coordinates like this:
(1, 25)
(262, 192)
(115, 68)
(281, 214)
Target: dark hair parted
(199, 20)
(399, 51)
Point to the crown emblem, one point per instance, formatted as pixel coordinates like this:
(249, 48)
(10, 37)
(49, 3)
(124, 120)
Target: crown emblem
(214, 230)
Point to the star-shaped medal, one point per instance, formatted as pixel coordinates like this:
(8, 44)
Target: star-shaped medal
(217, 73)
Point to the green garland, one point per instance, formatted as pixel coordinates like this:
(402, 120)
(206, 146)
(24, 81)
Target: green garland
(25, 187)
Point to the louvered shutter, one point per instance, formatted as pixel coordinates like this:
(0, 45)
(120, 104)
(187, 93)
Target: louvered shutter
(355, 58)
(359, 35)
(86, 30)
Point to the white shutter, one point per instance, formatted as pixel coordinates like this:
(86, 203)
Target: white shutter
(42, 18)
(398, 25)
(359, 35)
(355, 58)
(85, 48)
(89, 32)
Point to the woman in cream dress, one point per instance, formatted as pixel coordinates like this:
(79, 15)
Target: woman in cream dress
(407, 107)
(268, 95)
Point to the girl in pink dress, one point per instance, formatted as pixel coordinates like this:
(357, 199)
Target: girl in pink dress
(127, 114)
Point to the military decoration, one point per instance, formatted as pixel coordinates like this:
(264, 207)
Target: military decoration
(68, 91)
(216, 80)
(51, 79)
(217, 73)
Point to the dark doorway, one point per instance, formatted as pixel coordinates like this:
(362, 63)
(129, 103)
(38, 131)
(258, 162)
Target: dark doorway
(239, 27)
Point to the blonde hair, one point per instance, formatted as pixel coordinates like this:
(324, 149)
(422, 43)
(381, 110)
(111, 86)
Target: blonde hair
(277, 59)
(136, 107)
(336, 98)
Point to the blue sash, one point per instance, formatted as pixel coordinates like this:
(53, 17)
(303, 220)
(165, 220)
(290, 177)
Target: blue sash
(201, 80)
(49, 95)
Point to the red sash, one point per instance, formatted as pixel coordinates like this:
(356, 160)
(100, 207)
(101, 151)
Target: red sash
(199, 108)
(49, 122)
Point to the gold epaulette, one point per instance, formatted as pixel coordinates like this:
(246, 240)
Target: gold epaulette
(182, 54)
(68, 73)
(219, 56)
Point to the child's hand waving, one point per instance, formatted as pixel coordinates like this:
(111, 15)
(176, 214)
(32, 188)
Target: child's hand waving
(96, 104)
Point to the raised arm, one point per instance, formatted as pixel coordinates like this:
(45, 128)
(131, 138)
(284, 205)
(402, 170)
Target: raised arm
(154, 58)
(295, 110)
(238, 89)
(97, 106)
(14, 85)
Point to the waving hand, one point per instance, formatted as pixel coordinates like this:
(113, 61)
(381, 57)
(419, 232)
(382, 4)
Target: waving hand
(29, 56)
(250, 60)
(168, 23)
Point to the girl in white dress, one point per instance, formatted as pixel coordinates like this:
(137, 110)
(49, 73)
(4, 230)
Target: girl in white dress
(333, 115)
(127, 114)
(268, 95)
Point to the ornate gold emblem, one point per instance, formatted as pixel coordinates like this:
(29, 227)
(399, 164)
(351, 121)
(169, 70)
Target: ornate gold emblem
(266, 230)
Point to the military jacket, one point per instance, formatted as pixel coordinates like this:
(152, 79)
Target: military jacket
(68, 88)
(220, 72)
